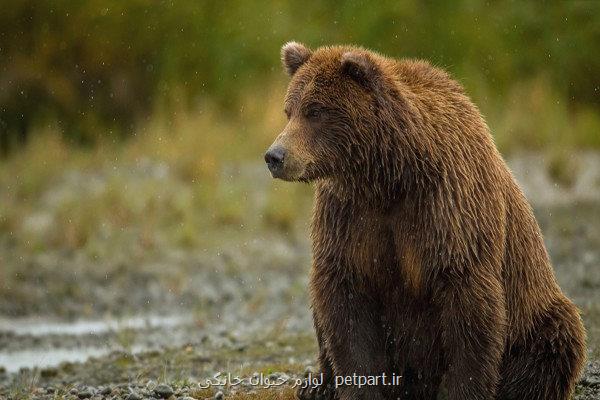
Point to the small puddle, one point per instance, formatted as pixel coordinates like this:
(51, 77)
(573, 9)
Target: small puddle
(14, 361)
(48, 356)
(43, 327)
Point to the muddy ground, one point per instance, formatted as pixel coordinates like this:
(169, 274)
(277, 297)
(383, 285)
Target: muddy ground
(161, 324)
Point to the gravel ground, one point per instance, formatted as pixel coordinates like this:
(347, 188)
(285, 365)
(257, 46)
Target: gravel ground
(76, 327)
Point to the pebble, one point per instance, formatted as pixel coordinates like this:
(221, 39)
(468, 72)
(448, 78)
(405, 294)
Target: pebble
(164, 391)
(106, 390)
(590, 381)
(284, 377)
(219, 395)
(85, 394)
(133, 396)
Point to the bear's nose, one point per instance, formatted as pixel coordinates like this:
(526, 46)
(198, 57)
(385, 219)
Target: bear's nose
(274, 158)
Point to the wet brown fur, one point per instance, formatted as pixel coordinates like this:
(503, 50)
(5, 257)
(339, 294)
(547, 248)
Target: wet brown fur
(427, 259)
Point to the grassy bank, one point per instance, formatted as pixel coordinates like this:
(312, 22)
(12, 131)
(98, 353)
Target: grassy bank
(184, 175)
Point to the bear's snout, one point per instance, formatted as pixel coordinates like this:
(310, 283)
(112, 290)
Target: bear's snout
(274, 158)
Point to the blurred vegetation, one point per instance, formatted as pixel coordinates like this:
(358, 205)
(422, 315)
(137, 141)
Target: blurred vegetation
(164, 188)
(97, 68)
(138, 119)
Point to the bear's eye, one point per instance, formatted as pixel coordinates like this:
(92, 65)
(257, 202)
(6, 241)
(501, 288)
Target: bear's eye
(314, 113)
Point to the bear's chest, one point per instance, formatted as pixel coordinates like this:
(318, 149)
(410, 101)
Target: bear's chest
(369, 245)
(360, 241)
(375, 247)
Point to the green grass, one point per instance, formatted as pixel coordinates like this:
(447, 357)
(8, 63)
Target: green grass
(175, 183)
(534, 116)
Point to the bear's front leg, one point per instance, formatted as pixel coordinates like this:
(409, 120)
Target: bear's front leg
(353, 336)
(474, 332)
(324, 389)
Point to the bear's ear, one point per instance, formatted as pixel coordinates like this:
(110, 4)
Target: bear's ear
(361, 68)
(293, 55)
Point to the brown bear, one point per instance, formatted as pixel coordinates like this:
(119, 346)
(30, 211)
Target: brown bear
(428, 262)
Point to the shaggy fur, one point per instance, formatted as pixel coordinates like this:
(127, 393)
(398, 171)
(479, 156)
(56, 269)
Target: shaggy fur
(427, 259)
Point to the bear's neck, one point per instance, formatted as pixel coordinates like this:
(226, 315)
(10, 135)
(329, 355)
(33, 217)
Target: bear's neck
(374, 191)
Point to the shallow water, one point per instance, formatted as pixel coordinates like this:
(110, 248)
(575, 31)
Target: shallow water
(43, 355)
(41, 326)
(14, 361)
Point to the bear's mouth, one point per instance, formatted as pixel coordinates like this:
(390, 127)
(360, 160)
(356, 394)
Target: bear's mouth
(282, 174)
(288, 178)
(275, 174)
(310, 173)
(291, 172)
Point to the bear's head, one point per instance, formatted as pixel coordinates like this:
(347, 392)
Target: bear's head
(338, 109)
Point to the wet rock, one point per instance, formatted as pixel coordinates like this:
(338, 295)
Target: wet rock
(590, 381)
(284, 377)
(163, 391)
(274, 376)
(105, 391)
(85, 393)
